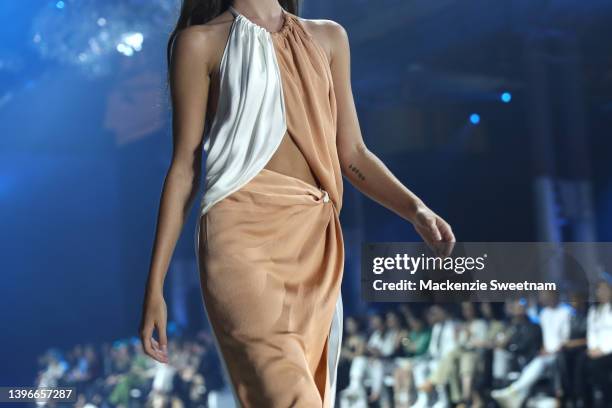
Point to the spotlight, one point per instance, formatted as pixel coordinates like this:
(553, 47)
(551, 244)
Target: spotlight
(475, 118)
(60, 4)
(130, 43)
(125, 50)
(134, 40)
(506, 97)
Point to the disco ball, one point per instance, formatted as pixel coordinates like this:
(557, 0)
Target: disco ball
(91, 34)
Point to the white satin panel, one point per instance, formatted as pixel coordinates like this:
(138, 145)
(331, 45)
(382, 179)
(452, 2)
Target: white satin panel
(250, 123)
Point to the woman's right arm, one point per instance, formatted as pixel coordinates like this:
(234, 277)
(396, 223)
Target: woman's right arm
(189, 84)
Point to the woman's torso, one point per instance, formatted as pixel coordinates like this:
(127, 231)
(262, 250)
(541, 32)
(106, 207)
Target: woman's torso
(287, 159)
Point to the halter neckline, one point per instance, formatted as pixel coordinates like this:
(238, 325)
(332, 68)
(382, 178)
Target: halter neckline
(284, 27)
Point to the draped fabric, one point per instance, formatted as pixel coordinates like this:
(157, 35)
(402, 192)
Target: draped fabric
(250, 122)
(270, 247)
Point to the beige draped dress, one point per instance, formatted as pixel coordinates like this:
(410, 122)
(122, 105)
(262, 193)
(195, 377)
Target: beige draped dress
(271, 252)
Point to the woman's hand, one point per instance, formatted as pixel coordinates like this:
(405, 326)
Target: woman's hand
(154, 315)
(436, 232)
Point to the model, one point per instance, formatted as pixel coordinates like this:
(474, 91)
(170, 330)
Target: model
(280, 131)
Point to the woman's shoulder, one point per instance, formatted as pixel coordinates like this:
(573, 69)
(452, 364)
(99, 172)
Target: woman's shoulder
(329, 34)
(325, 26)
(203, 34)
(205, 41)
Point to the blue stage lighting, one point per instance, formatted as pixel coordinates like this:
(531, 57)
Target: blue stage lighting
(506, 97)
(60, 4)
(475, 118)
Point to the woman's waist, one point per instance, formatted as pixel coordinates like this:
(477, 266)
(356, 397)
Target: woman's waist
(274, 187)
(267, 190)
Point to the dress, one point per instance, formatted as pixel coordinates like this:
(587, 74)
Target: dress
(269, 246)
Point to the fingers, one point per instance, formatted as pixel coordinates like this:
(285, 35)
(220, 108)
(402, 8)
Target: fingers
(163, 340)
(151, 346)
(432, 225)
(436, 233)
(161, 354)
(446, 231)
(434, 236)
(442, 238)
(428, 234)
(146, 337)
(448, 239)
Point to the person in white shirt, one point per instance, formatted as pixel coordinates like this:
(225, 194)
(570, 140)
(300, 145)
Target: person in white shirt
(443, 342)
(555, 320)
(599, 340)
(381, 363)
(472, 333)
(55, 370)
(382, 343)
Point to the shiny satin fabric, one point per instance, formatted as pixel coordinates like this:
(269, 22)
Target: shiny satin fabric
(270, 246)
(249, 124)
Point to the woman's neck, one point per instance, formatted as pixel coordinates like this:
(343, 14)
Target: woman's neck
(262, 10)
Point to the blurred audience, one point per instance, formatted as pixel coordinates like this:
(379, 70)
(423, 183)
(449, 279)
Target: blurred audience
(534, 352)
(522, 353)
(121, 375)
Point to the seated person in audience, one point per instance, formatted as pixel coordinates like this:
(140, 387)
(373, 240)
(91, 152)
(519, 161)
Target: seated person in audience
(483, 370)
(382, 343)
(599, 342)
(443, 342)
(555, 324)
(519, 343)
(353, 344)
(413, 345)
(457, 367)
(383, 357)
(571, 357)
(496, 327)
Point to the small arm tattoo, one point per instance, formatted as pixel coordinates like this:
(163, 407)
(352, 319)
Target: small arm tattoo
(357, 172)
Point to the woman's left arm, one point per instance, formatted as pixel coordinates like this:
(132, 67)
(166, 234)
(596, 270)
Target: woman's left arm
(360, 166)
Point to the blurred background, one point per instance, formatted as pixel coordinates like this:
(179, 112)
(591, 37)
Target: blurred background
(498, 114)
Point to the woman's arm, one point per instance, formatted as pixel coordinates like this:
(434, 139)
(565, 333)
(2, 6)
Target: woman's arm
(189, 83)
(360, 166)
